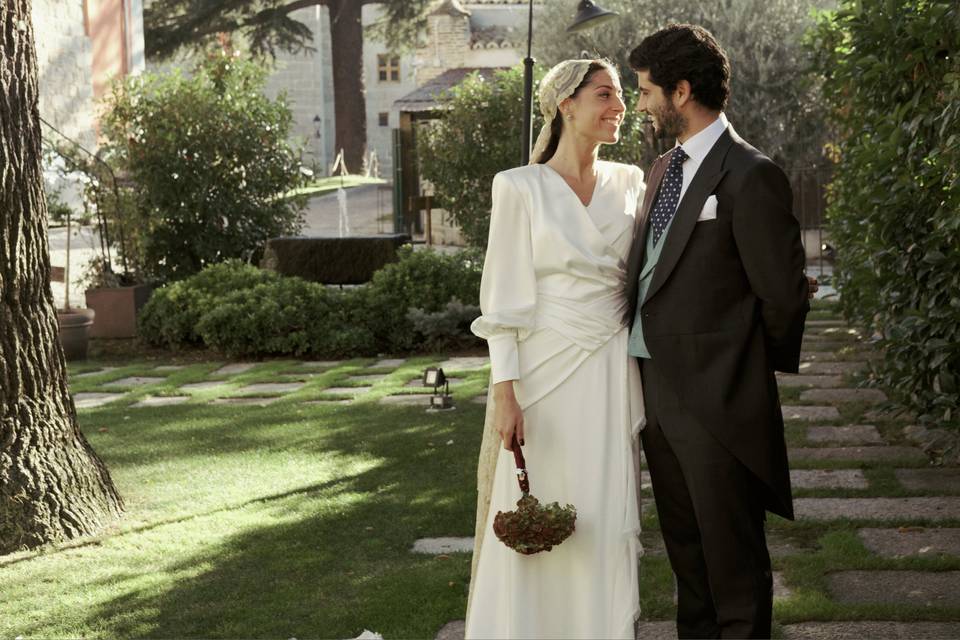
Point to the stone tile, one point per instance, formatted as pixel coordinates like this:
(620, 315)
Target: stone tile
(415, 400)
(97, 372)
(388, 363)
(659, 630)
(853, 434)
(935, 509)
(352, 391)
(322, 364)
(167, 368)
(939, 480)
(828, 479)
(452, 630)
(273, 387)
(234, 369)
(861, 454)
(824, 323)
(161, 401)
(818, 356)
(871, 629)
(831, 368)
(911, 541)
(780, 589)
(479, 400)
(134, 381)
(327, 402)
(819, 382)
(201, 386)
(257, 402)
(873, 396)
(834, 333)
(467, 363)
(90, 400)
(373, 377)
(443, 545)
(810, 413)
(924, 588)
(418, 382)
(645, 480)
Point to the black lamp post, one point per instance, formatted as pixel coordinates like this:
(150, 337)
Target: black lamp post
(589, 15)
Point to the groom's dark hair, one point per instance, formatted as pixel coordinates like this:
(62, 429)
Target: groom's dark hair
(686, 52)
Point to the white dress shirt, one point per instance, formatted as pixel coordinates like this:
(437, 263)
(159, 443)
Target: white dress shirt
(697, 148)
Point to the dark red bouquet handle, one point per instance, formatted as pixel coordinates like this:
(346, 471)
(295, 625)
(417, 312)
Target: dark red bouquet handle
(522, 477)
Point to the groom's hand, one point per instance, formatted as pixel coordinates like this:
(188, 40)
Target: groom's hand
(812, 287)
(507, 415)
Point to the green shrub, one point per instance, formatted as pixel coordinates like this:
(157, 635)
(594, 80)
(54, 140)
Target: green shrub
(244, 311)
(208, 160)
(892, 78)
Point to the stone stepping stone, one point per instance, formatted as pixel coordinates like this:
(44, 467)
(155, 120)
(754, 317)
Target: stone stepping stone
(936, 509)
(418, 382)
(824, 323)
(388, 363)
(853, 434)
(924, 588)
(201, 386)
(328, 402)
(455, 630)
(658, 630)
(97, 372)
(89, 400)
(258, 402)
(810, 413)
(871, 629)
(134, 381)
(273, 387)
(911, 541)
(234, 369)
(464, 363)
(828, 479)
(818, 356)
(373, 377)
(872, 396)
(352, 391)
(322, 364)
(479, 400)
(861, 454)
(412, 400)
(166, 368)
(443, 545)
(831, 368)
(161, 401)
(820, 382)
(930, 480)
(834, 333)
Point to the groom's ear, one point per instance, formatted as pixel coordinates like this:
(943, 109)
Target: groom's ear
(682, 94)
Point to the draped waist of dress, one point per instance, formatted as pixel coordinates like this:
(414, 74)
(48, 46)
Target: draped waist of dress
(567, 329)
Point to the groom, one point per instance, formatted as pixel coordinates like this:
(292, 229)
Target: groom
(718, 299)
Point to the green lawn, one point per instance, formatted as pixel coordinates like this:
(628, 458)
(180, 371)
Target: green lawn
(321, 186)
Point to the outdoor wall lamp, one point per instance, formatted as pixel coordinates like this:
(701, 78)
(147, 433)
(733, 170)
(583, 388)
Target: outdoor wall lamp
(589, 15)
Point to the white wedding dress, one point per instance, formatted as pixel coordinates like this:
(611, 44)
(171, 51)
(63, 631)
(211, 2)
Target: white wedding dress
(552, 300)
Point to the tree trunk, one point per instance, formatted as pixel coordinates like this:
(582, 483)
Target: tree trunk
(349, 102)
(52, 484)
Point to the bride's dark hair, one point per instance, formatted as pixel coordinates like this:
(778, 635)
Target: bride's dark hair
(556, 125)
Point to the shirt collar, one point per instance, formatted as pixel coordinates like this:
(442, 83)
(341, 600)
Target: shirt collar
(699, 145)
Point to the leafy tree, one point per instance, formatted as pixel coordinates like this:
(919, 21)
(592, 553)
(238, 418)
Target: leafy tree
(776, 102)
(53, 485)
(209, 159)
(892, 82)
(480, 134)
(268, 26)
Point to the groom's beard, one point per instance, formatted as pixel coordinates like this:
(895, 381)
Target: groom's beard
(670, 122)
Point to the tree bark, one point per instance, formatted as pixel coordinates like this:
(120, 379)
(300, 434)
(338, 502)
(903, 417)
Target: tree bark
(350, 110)
(52, 484)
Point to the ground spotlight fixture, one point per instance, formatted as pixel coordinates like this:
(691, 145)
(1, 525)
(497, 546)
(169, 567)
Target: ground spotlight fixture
(440, 400)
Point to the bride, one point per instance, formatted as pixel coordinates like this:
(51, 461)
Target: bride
(552, 298)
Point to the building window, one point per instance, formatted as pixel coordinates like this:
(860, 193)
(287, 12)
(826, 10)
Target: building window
(384, 118)
(389, 68)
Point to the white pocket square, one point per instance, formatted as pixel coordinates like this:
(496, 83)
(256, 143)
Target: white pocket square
(709, 211)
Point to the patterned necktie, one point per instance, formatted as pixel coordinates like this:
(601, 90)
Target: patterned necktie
(668, 197)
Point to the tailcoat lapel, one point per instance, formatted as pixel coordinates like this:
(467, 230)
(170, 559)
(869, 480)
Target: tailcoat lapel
(685, 219)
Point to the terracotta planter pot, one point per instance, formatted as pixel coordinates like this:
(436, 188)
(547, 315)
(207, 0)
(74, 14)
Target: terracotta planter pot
(75, 331)
(117, 309)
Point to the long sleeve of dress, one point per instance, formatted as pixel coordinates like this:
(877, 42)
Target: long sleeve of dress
(508, 288)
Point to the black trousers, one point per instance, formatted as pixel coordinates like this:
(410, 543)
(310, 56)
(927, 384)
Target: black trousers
(712, 519)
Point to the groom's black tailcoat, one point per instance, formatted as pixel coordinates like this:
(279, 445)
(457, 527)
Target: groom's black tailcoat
(727, 304)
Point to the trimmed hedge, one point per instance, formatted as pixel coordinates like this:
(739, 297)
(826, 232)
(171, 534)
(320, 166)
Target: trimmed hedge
(421, 301)
(892, 78)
